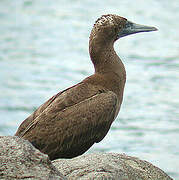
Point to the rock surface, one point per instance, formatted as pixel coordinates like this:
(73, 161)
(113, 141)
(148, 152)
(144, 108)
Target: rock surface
(109, 166)
(20, 160)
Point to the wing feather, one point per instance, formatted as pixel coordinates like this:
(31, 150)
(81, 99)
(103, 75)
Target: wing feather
(74, 129)
(66, 98)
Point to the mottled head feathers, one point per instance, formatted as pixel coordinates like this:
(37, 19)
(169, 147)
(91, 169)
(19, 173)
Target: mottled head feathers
(108, 26)
(109, 20)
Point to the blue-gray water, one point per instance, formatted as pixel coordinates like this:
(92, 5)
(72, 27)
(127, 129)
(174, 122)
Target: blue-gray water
(44, 49)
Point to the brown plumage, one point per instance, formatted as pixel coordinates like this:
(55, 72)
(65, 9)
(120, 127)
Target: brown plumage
(73, 120)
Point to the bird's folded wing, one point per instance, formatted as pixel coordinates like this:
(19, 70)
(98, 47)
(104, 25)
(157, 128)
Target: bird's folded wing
(84, 122)
(63, 99)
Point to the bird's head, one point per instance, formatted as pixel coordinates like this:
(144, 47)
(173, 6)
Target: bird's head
(112, 27)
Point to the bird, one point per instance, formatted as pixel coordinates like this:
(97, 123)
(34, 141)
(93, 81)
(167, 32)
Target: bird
(71, 121)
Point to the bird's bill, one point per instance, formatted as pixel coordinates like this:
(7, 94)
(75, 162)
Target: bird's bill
(132, 28)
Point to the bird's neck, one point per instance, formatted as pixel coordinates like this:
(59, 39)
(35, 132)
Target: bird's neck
(105, 59)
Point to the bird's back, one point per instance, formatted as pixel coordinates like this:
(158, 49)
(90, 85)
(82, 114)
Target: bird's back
(70, 122)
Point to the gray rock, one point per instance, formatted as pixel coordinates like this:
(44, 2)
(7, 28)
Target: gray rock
(20, 160)
(109, 166)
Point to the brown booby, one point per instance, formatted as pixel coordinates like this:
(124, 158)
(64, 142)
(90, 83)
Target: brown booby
(70, 122)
